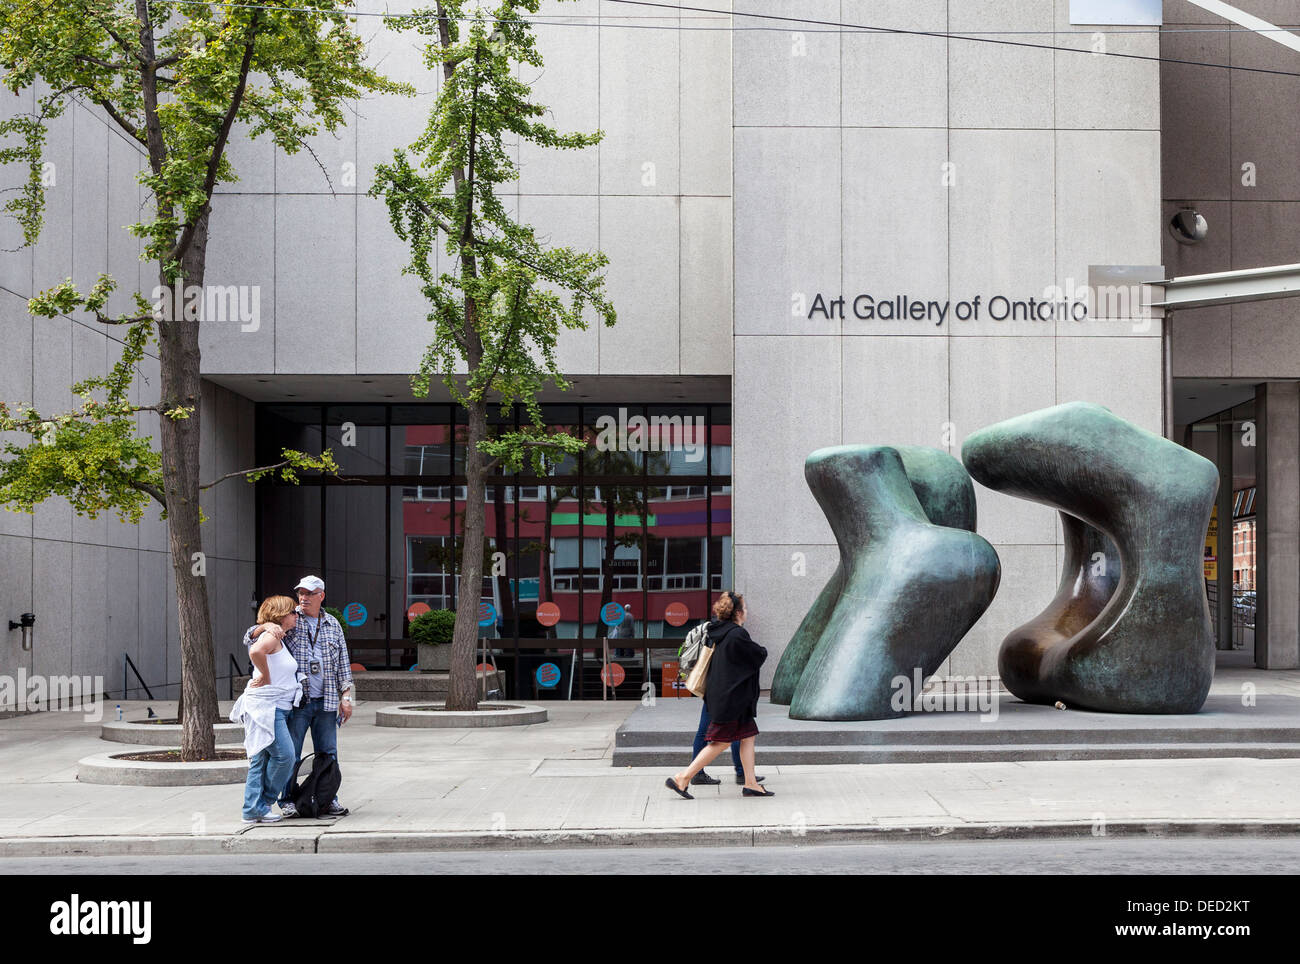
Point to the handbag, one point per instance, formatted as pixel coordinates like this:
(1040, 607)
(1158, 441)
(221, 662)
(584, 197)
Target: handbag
(699, 676)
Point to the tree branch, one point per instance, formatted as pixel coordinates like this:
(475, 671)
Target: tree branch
(152, 490)
(514, 317)
(243, 472)
(107, 65)
(121, 121)
(219, 146)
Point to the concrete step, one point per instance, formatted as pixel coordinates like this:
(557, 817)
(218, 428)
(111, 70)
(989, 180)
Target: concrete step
(777, 755)
(383, 686)
(988, 736)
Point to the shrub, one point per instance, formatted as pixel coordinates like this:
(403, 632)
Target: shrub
(434, 627)
(338, 615)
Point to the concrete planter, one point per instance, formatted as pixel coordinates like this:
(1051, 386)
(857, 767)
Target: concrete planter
(435, 658)
(163, 734)
(433, 716)
(107, 768)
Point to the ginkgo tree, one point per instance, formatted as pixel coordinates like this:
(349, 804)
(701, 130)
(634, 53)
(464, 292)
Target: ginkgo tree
(179, 78)
(501, 308)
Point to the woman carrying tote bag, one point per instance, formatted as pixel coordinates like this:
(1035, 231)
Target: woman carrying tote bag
(728, 668)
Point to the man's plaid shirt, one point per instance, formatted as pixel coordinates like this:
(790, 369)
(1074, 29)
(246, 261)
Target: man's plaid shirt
(337, 668)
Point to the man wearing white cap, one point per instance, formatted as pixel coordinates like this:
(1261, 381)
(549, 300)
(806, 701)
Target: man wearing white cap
(318, 644)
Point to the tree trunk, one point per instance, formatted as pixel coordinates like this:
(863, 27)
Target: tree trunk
(178, 350)
(504, 592)
(462, 691)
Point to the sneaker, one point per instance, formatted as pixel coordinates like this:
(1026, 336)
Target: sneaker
(288, 810)
(267, 817)
(335, 810)
(702, 779)
(740, 779)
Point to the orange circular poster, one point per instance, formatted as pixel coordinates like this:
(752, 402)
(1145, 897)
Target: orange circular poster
(676, 614)
(417, 609)
(548, 614)
(613, 674)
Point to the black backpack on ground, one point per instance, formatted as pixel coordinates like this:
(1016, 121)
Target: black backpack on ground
(311, 797)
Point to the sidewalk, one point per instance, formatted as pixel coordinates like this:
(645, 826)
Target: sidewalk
(552, 784)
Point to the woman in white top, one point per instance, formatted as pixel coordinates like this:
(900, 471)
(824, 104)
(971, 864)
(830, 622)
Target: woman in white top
(264, 709)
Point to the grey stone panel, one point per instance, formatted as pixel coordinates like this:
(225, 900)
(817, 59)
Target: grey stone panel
(778, 371)
(16, 597)
(1195, 118)
(242, 252)
(1001, 225)
(639, 107)
(15, 385)
(121, 613)
(1107, 200)
(706, 292)
(392, 325)
(787, 186)
(1264, 339)
(16, 265)
(997, 86)
(787, 77)
(1255, 98)
(894, 79)
(1265, 233)
(1202, 343)
(894, 219)
(315, 291)
(52, 602)
(569, 85)
(641, 237)
(706, 103)
(52, 254)
(157, 611)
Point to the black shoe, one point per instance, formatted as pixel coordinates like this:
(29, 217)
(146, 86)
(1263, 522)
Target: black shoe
(671, 784)
(740, 779)
(745, 791)
(702, 779)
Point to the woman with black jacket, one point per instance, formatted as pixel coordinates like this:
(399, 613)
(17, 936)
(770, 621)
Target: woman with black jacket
(731, 695)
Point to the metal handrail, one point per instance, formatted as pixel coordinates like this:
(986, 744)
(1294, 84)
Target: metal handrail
(126, 661)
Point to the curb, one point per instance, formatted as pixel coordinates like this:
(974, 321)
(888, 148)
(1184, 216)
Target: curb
(368, 842)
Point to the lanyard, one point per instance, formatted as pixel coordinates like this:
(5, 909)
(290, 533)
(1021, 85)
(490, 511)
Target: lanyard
(320, 623)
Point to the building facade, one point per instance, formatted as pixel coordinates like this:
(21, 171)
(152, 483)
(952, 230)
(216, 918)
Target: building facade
(818, 234)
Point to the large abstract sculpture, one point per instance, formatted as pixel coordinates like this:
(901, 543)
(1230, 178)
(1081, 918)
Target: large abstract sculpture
(1129, 629)
(913, 578)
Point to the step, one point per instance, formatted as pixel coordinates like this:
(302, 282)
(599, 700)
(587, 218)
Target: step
(770, 755)
(382, 686)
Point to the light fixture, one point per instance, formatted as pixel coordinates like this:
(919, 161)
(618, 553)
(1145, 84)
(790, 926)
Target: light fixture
(25, 622)
(1189, 226)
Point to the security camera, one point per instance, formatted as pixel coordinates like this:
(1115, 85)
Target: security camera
(1188, 226)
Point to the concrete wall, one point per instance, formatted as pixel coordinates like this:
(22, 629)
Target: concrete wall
(841, 142)
(655, 196)
(1230, 151)
(1215, 123)
(101, 587)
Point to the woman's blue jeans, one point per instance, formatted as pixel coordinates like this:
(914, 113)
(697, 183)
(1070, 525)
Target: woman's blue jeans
(268, 770)
(700, 741)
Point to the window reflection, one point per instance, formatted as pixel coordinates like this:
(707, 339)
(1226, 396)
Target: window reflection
(641, 522)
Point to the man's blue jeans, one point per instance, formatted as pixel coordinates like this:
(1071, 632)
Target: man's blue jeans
(324, 726)
(700, 741)
(268, 770)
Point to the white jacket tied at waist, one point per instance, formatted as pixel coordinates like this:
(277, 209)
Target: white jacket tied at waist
(255, 709)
